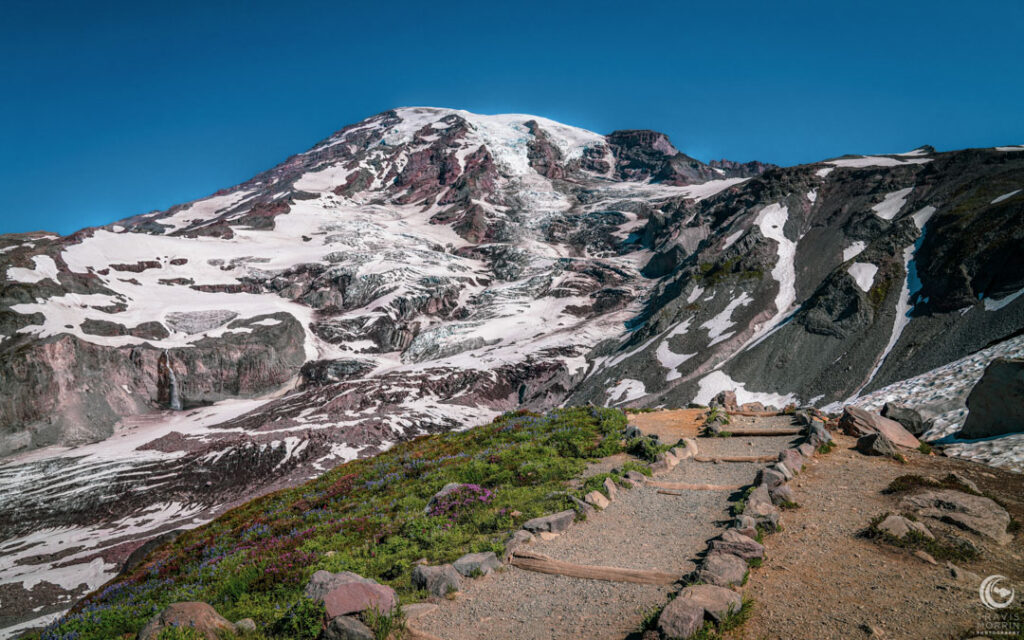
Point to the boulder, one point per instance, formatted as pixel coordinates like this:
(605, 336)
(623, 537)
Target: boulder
(439, 581)
(786, 472)
(907, 416)
(753, 407)
(681, 618)
(817, 434)
(996, 402)
(355, 597)
(323, 582)
(477, 564)
(597, 499)
(793, 460)
(636, 477)
(726, 400)
(770, 478)
(610, 488)
(517, 540)
(732, 541)
(347, 628)
(445, 490)
(806, 450)
(717, 602)
(898, 526)
(782, 494)
(555, 523)
(745, 525)
(857, 422)
(978, 514)
(722, 569)
(760, 495)
(199, 616)
(876, 444)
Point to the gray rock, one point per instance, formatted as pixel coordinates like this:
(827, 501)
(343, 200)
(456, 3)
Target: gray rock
(477, 564)
(732, 541)
(445, 490)
(996, 402)
(636, 477)
(347, 628)
(786, 472)
(723, 569)
(554, 523)
(857, 422)
(681, 618)
(761, 494)
(517, 540)
(876, 444)
(439, 581)
(597, 499)
(782, 494)
(323, 582)
(793, 460)
(610, 488)
(717, 602)
(770, 478)
(974, 513)
(247, 625)
(806, 450)
(907, 416)
(817, 434)
(898, 526)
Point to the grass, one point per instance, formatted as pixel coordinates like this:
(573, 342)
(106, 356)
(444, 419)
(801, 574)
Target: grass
(938, 549)
(386, 626)
(255, 560)
(788, 505)
(826, 448)
(925, 448)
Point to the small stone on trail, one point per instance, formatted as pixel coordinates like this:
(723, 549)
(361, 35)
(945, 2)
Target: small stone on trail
(723, 569)
(732, 541)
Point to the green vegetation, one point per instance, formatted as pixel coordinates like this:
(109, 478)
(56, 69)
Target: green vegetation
(827, 447)
(368, 516)
(646, 448)
(925, 448)
(386, 626)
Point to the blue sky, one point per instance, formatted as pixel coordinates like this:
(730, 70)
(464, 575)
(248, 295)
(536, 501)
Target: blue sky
(115, 108)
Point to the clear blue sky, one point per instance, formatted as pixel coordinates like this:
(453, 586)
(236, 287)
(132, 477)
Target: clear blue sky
(110, 109)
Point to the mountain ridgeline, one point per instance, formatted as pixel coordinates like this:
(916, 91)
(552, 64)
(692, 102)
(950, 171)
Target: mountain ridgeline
(430, 268)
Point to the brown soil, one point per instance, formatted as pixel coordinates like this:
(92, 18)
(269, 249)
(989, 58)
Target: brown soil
(670, 425)
(822, 579)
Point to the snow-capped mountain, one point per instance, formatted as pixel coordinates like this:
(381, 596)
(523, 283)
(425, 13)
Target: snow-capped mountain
(426, 269)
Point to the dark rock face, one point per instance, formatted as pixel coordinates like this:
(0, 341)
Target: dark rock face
(997, 401)
(910, 418)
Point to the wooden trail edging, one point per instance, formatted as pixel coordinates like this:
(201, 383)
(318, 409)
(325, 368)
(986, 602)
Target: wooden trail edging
(762, 432)
(764, 458)
(541, 563)
(757, 414)
(682, 486)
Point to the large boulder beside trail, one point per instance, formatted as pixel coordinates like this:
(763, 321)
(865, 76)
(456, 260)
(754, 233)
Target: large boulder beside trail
(857, 422)
(717, 602)
(346, 593)
(996, 402)
(876, 444)
(723, 569)
(198, 616)
(477, 564)
(439, 581)
(909, 417)
(554, 523)
(974, 513)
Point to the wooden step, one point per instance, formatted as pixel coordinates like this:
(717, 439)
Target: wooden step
(532, 561)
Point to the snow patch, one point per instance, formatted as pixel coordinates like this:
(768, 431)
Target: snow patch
(626, 390)
(891, 204)
(863, 274)
(854, 250)
(717, 381)
(718, 325)
(1006, 196)
(45, 269)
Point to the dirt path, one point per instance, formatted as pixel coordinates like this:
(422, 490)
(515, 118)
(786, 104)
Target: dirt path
(641, 529)
(670, 426)
(821, 581)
